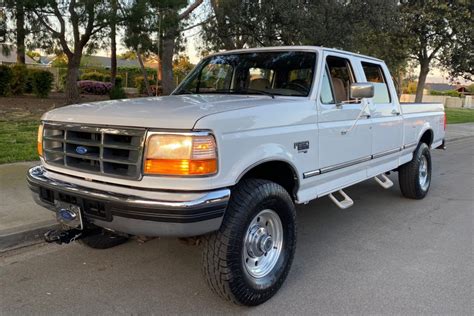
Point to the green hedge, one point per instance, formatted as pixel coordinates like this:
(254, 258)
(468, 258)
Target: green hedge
(19, 79)
(6, 76)
(449, 93)
(100, 76)
(42, 82)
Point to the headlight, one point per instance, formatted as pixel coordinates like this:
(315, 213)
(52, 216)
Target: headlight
(40, 140)
(174, 154)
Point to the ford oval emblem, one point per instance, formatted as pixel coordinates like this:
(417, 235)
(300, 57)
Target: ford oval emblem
(67, 215)
(81, 150)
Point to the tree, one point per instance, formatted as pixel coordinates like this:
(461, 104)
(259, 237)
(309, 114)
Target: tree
(140, 23)
(181, 67)
(73, 25)
(435, 32)
(169, 33)
(19, 10)
(113, 41)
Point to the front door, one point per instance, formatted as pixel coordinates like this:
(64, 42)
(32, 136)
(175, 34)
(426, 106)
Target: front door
(343, 142)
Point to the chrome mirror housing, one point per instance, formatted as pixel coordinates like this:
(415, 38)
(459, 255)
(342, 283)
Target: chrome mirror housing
(360, 90)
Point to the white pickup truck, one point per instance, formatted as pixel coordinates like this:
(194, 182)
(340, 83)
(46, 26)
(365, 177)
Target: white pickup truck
(246, 136)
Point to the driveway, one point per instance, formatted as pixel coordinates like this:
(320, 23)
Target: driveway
(384, 255)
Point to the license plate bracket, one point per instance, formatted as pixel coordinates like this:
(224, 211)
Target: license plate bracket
(69, 214)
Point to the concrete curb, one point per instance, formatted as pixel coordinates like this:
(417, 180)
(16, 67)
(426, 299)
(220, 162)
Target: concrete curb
(26, 235)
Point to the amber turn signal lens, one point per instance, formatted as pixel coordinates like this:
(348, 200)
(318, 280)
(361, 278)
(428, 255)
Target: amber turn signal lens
(181, 166)
(40, 140)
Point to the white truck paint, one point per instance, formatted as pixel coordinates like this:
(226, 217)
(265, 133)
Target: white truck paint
(342, 143)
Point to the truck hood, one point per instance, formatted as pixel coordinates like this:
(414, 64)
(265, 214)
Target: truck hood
(174, 112)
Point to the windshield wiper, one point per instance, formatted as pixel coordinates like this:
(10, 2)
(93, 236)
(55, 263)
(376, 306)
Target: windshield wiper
(248, 90)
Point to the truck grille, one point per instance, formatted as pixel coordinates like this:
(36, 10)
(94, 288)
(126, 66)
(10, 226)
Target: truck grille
(115, 152)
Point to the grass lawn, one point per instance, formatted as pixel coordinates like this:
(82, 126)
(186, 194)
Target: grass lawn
(18, 140)
(455, 116)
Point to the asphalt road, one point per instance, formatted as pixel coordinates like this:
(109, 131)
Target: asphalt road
(385, 255)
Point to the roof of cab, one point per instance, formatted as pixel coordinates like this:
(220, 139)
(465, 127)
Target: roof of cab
(297, 48)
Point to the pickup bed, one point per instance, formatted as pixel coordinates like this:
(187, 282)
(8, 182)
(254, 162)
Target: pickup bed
(243, 139)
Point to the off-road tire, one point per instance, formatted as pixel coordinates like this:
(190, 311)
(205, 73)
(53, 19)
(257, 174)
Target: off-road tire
(222, 260)
(102, 240)
(409, 174)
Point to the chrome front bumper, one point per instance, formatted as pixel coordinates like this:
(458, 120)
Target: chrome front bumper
(136, 215)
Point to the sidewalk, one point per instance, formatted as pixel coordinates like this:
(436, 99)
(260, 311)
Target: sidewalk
(21, 220)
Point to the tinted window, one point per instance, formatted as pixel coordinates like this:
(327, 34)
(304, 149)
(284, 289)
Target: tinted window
(326, 91)
(280, 73)
(341, 76)
(374, 74)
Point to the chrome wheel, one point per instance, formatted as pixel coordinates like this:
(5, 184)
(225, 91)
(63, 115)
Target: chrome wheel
(262, 244)
(423, 176)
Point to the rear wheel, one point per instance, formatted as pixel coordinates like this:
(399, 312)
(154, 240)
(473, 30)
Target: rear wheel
(248, 259)
(415, 176)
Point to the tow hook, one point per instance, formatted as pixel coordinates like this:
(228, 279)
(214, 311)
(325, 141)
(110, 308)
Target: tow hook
(62, 236)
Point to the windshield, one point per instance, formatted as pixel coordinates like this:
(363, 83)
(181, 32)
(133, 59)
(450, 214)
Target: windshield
(288, 73)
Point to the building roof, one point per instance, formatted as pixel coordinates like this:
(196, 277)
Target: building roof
(102, 61)
(439, 86)
(11, 57)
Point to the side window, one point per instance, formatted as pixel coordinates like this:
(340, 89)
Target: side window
(341, 76)
(374, 74)
(326, 90)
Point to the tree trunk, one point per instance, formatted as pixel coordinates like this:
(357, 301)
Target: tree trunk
(424, 70)
(20, 32)
(167, 82)
(145, 76)
(72, 91)
(113, 43)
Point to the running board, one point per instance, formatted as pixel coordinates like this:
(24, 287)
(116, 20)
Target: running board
(385, 182)
(346, 203)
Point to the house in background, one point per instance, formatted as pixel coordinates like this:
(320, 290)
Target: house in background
(439, 87)
(8, 56)
(105, 62)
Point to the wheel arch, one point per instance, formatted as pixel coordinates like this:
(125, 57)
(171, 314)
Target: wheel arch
(286, 176)
(427, 137)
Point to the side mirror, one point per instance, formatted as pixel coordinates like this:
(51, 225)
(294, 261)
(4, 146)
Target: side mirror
(360, 90)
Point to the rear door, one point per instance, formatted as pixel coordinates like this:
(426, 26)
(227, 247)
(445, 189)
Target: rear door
(342, 141)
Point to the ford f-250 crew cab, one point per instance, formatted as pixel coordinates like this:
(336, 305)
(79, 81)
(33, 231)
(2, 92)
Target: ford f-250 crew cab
(246, 136)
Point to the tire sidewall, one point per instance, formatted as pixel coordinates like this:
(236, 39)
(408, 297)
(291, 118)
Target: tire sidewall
(422, 151)
(284, 207)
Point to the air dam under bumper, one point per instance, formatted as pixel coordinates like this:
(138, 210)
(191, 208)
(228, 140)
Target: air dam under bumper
(136, 215)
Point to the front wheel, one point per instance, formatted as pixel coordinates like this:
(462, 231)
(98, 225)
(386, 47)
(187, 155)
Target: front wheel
(415, 176)
(247, 260)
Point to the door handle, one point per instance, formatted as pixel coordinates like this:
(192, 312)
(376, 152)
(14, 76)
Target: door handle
(395, 112)
(365, 115)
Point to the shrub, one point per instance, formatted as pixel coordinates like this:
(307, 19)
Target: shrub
(6, 75)
(19, 78)
(118, 80)
(93, 75)
(29, 81)
(450, 93)
(117, 92)
(42, 83)
(94, 87)
(140, 85)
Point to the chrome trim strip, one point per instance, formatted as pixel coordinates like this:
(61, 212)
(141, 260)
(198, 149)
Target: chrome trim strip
(410, 145)
(386, 153)
(345, 164)
(36, 177)
(310, 174)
